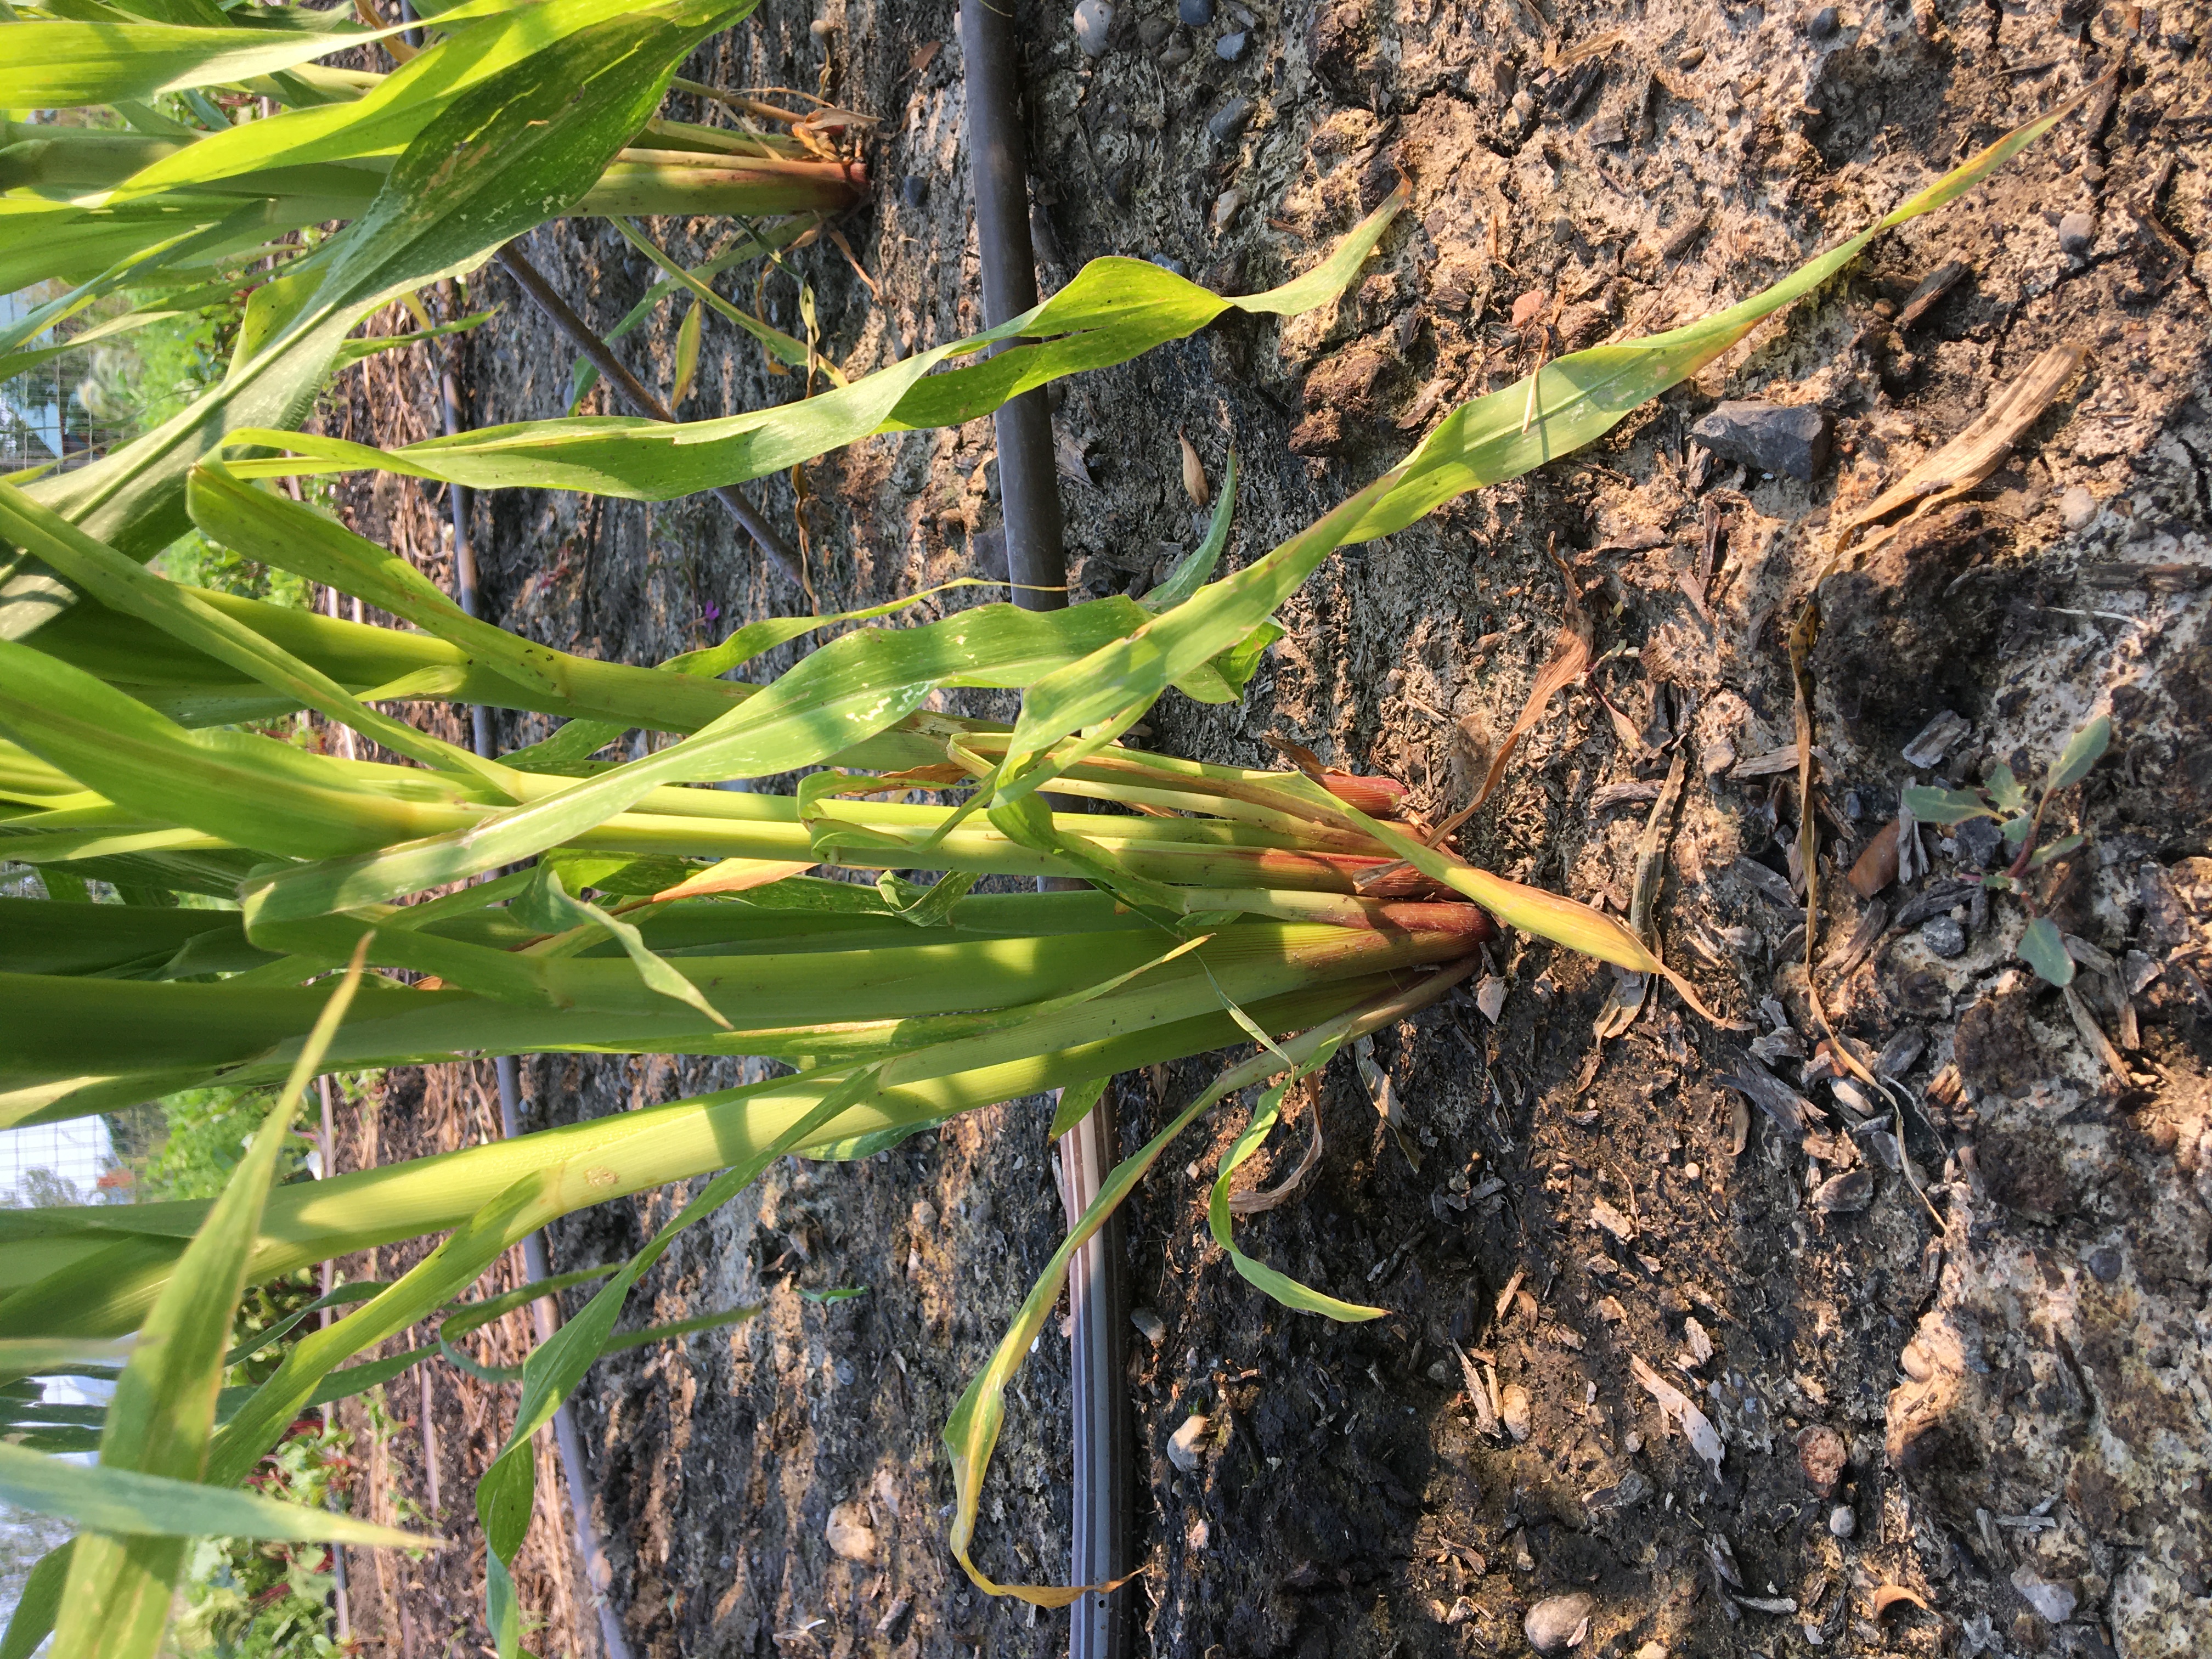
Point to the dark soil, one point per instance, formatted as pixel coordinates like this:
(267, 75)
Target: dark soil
(2008, 1363)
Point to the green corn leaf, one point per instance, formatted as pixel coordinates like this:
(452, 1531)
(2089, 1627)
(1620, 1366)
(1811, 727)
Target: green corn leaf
(1945, 806)
(925, 907)
(154, 1449)
(480, 1239)
(354, 351)
(124, 1503)
(506, 1493)
(1114, 310)
(1075, 1102)
(55, 65)
(245, 788)
(1186, 578)
(1579, 397)
(337, 1386)
(262, 525)
(1283, 1288)
(123, 586)
(687, 357)
(546, 906)
(972, 1430)
(390, 116)
(1576, 400)
(32, 1621)
(525, 144)
(842, 695)
(20, 362)
(344, 1297)
(38, 1356)
(751, 244)
(2083, 751)
(2042, 949)
(780, 346)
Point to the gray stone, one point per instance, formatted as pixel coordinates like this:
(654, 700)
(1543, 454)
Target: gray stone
(1980, 842)
(1555, 1623)
(2077, 508)
(1842, 1523)
(1176, 54)
(1093, 19)
(2076, 231)
(1822, 24)
(2055, 1602)
(1231, 47)
(1771, 437)
(1229, 119)
(1937, 738)
(1186, 1445)
(1153, 30)
(1944, 936)
(1174, 267)
(1196, 13)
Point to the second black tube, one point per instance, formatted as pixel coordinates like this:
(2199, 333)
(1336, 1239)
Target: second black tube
(1099, 1626)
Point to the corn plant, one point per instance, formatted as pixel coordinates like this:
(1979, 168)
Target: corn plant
(550, 899)
(510, 114)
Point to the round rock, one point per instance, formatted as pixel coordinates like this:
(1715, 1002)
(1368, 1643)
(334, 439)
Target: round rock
(1944, 936)
(1196, 13)
(2077, 508)
(1093, 19)
(1842, 1523)
(1231, 47)
(1229, 119)
(2076, 231)
(1822, 1454)
(1822, 23)
(1558, 1622)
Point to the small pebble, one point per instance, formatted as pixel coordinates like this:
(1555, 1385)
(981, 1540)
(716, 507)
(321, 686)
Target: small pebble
(1174, 267)
(1184, 1444)
(1150, 1325)
(2077, 508)
(1153, 30)
(1693, 1172)
(1822, 1454)
(1822, 24)
(1524, 104)
(1516, 1410)
(1944, 936)
(1176, 54)
(1231, 47)
(1225, 208)
(2076, 231)
(1196, 13)
(1690, 59)
(914, 190)
(1978, 841)
(1792, 439)
(1229, 119)
(1557, 1622)
(1842, 1523)
(820, 28)
(1093, 18)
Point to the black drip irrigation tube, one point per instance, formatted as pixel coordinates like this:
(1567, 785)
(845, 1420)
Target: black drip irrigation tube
(1100, 1626)
(591, 1555)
